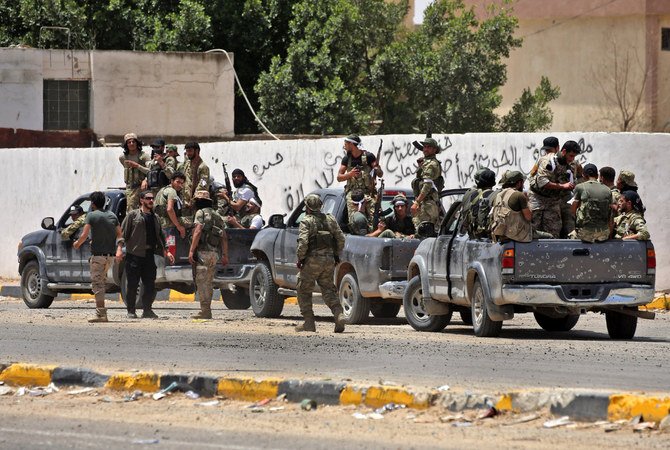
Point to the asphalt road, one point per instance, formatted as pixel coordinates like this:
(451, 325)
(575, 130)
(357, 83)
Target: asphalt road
(237, 342)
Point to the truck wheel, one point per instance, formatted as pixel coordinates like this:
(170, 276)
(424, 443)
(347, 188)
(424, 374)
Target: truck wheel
(265, 300)
(414, 312)
(237, 299)
(384, 310)
(356, 307)
(620, 326)
(481, 322)
(124, 291)
(547, 323)
(33, 286)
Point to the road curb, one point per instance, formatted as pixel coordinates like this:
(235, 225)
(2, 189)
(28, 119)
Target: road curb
(583, 405)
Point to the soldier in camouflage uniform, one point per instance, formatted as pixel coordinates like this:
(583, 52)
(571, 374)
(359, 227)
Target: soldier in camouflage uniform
(209, 244)
(359, 168)
(134, 162)
(197, 179)
(78, 218)
(592, 207)
(320, 241)
(251, 219)
(630, 223)
(159, 165)
(485, 179)
(546, 188)
(171, 161)
(168, 206)
(607, 177)
(361, 217)
(427, 186)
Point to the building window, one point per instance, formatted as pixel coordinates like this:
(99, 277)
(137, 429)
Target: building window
(66, 104)
(665, 39)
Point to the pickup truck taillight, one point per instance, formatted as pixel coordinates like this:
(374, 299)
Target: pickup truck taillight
(651, 261)
(508, 261)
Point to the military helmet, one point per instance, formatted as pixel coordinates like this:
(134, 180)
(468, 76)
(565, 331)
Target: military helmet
(313, 202)
(485, 177)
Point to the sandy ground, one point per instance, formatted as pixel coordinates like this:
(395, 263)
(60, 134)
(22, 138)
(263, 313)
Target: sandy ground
(145, 420)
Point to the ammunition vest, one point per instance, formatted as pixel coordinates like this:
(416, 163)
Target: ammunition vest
(212, 229)
(506, 223)
(131, 176)
(323, 239)
(559, 174)
(365, 182)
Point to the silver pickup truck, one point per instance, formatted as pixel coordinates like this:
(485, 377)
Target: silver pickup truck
(555, 279)
(371, 275)
(48, 264)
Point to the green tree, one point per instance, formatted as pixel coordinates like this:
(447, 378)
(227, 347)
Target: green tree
(322, 85)
(531, 112)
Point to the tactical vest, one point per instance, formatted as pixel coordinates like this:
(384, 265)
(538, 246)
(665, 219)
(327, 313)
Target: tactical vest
(212, 229)
(593, 213)
(471, 214)
(365, 182)
(507, 223)
(438, 183)
(160, 204)
(323, 239)
(560, 174)
(483, 223)
(131, 176)
(156, 178)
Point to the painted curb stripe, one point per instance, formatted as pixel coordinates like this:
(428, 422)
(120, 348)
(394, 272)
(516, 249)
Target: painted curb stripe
(27, 374)
(144, 381)
(661, 302)
(248, 388)
(176, 296)
(624, 406)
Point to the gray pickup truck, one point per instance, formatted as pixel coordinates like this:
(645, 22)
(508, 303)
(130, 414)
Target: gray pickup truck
(48, 264)
(371, 276)
(555, 279)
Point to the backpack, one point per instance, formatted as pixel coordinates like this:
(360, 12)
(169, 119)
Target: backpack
(483, 222)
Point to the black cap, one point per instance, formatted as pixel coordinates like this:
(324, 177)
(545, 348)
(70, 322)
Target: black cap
(591, 170)
(158, 143)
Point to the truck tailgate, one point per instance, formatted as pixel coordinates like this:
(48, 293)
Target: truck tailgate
(561, 261)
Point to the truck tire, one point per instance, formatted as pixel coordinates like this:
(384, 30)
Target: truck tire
(482, 324)
(265, 300)
(384, 310)
(33, 287)
(356, 307)
(124, 291)
(238, 299)
(620, 326)
(416, 316)
(547, 323)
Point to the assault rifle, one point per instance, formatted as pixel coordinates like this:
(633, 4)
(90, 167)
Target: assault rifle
(378, 205)
(229, 189)
(379, 155)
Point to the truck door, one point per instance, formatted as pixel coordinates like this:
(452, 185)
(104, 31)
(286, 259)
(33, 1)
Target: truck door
(66, 260)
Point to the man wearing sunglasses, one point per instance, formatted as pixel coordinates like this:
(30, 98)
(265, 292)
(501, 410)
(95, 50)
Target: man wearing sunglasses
(144, 238)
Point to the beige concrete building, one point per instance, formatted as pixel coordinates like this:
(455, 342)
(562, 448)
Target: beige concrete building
(603, 54)
(114, 92)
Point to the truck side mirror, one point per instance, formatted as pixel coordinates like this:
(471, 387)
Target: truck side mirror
(276, 221)
(48, 223)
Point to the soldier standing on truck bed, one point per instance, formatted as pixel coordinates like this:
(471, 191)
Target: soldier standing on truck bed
(168, 206)
(358, 169)
(592, 208)
(134, 162)
(320, 241)
(546, 188)
(427, 185)
(197, 179)
(209, 244)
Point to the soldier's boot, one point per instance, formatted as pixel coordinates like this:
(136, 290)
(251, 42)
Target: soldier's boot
(100, 316)
(338, 313)
(308, 324)
(205, 312)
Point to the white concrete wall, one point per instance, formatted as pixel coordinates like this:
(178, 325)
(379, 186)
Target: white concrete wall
(20, 89)
(42, 182)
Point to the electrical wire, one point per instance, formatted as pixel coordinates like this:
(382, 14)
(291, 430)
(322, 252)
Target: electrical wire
(239, 85)
(542, 30)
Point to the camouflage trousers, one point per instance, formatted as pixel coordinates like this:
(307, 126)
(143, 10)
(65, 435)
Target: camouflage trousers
(99, 266)
(567, 219)
(319, 269)
(204, 276)
(590, 235)
(132, 198)
(368, 211)
(546, 214)
(428, 212)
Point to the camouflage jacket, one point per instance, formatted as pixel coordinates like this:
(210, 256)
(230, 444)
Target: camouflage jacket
(67, 232)
(133, 177)
(629, 223)
(319, 235)
(197, 180)
(429, 172)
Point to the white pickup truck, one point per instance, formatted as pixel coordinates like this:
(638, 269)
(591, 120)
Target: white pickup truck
(555, 279)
